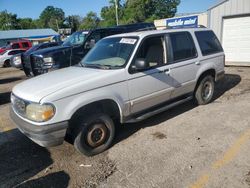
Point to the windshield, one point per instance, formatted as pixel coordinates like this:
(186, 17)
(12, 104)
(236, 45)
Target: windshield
(75, 38)
(110, 53)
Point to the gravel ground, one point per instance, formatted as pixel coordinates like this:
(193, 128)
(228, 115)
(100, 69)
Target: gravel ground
(188, 146)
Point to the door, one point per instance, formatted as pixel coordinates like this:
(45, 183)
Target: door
(236, 40)
(183, 61)
(77, 48)
(152, 86)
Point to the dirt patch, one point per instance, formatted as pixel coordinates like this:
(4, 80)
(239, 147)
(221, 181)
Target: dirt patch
(248, 178)
(159, 135)
(102, 171)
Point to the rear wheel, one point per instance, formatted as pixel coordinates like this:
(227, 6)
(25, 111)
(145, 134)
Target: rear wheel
(95, 134)
(205, 90)
(6, 63)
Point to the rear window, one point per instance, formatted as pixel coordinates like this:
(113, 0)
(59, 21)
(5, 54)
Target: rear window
(15, 46)
(208, 42)
(183, 46)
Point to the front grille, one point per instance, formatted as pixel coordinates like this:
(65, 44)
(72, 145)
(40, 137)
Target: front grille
(36, 63)
(18, 105)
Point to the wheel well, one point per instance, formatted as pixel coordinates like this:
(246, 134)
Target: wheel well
(207, 72)
(7, 60)
(106, 106)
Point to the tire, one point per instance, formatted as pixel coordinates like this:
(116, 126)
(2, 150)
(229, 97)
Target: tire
(205, 90)
(6, 63)
(98, 126)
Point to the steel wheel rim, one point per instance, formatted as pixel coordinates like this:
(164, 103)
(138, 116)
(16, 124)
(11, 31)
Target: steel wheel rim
(97, 135)
(207, 90)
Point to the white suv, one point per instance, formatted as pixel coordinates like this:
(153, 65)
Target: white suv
(124, 78)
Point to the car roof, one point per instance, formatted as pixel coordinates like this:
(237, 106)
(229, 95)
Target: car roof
(15, 49)
(142, 34)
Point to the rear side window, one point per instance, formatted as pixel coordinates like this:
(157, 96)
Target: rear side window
(25, 44)
(183, 46)
(208, 42)
(14, 52)
(15, 46)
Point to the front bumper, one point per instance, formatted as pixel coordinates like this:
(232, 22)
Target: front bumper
(44, 135)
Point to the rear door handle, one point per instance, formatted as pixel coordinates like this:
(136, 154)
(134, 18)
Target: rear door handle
(165, 71)
(197, 63)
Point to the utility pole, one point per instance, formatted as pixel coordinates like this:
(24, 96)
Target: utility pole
(116, 12)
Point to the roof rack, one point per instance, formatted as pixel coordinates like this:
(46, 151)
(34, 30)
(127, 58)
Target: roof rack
(186, 27)
(146, 29)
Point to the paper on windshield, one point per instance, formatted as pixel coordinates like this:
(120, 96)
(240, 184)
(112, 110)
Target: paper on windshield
(128, 41)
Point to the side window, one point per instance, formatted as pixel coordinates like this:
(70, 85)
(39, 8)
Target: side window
(183, 46)
(93, 39)
(96, 36)
(52, 44)
(43, 46)
(152, 52)
(208, 42)
(25, 44)
(12, 52)
(15, 46)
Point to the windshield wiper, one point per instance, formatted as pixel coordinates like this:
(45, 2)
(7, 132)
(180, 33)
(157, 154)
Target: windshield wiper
(97, 66)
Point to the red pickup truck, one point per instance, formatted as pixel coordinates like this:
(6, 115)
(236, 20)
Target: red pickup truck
(23, 44)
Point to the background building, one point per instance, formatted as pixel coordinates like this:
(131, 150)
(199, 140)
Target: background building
(183, 20)
(34, 35)
(230, 20)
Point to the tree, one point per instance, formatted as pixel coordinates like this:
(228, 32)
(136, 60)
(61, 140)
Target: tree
(90, 21)
(149, 10)
(133, 11)
(52, 17)
(8, 21)
(72, 22)
(108, 13)
(26, 23)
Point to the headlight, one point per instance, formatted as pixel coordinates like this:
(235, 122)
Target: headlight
(17, 60)
(39, 113)
(48, 62)
(32, 111)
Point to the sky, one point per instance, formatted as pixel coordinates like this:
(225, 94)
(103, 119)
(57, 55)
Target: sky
(33, 8)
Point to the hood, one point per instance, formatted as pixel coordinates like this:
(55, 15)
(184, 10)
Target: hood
(46, 51)
(67, 81)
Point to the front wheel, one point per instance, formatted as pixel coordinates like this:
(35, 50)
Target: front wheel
(95, 134)
(205, 90)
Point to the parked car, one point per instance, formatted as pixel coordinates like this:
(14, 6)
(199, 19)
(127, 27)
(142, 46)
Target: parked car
(74, 48)
(20, 44)
(6, 56)
(125, 78)
(25, 57)
(2, 49)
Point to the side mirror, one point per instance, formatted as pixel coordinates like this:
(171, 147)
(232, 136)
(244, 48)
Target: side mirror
(140, 64)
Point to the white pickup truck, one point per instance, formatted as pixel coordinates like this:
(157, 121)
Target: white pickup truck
(124, 78)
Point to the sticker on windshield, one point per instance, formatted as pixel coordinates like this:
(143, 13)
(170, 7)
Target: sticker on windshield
(128, 41)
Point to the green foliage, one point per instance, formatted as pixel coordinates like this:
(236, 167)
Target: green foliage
(26, 23)
(52, 17)
(108, 13)
(8, 21)
(72, 22)
(133, 11)
(129, 11)
(90, 21)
